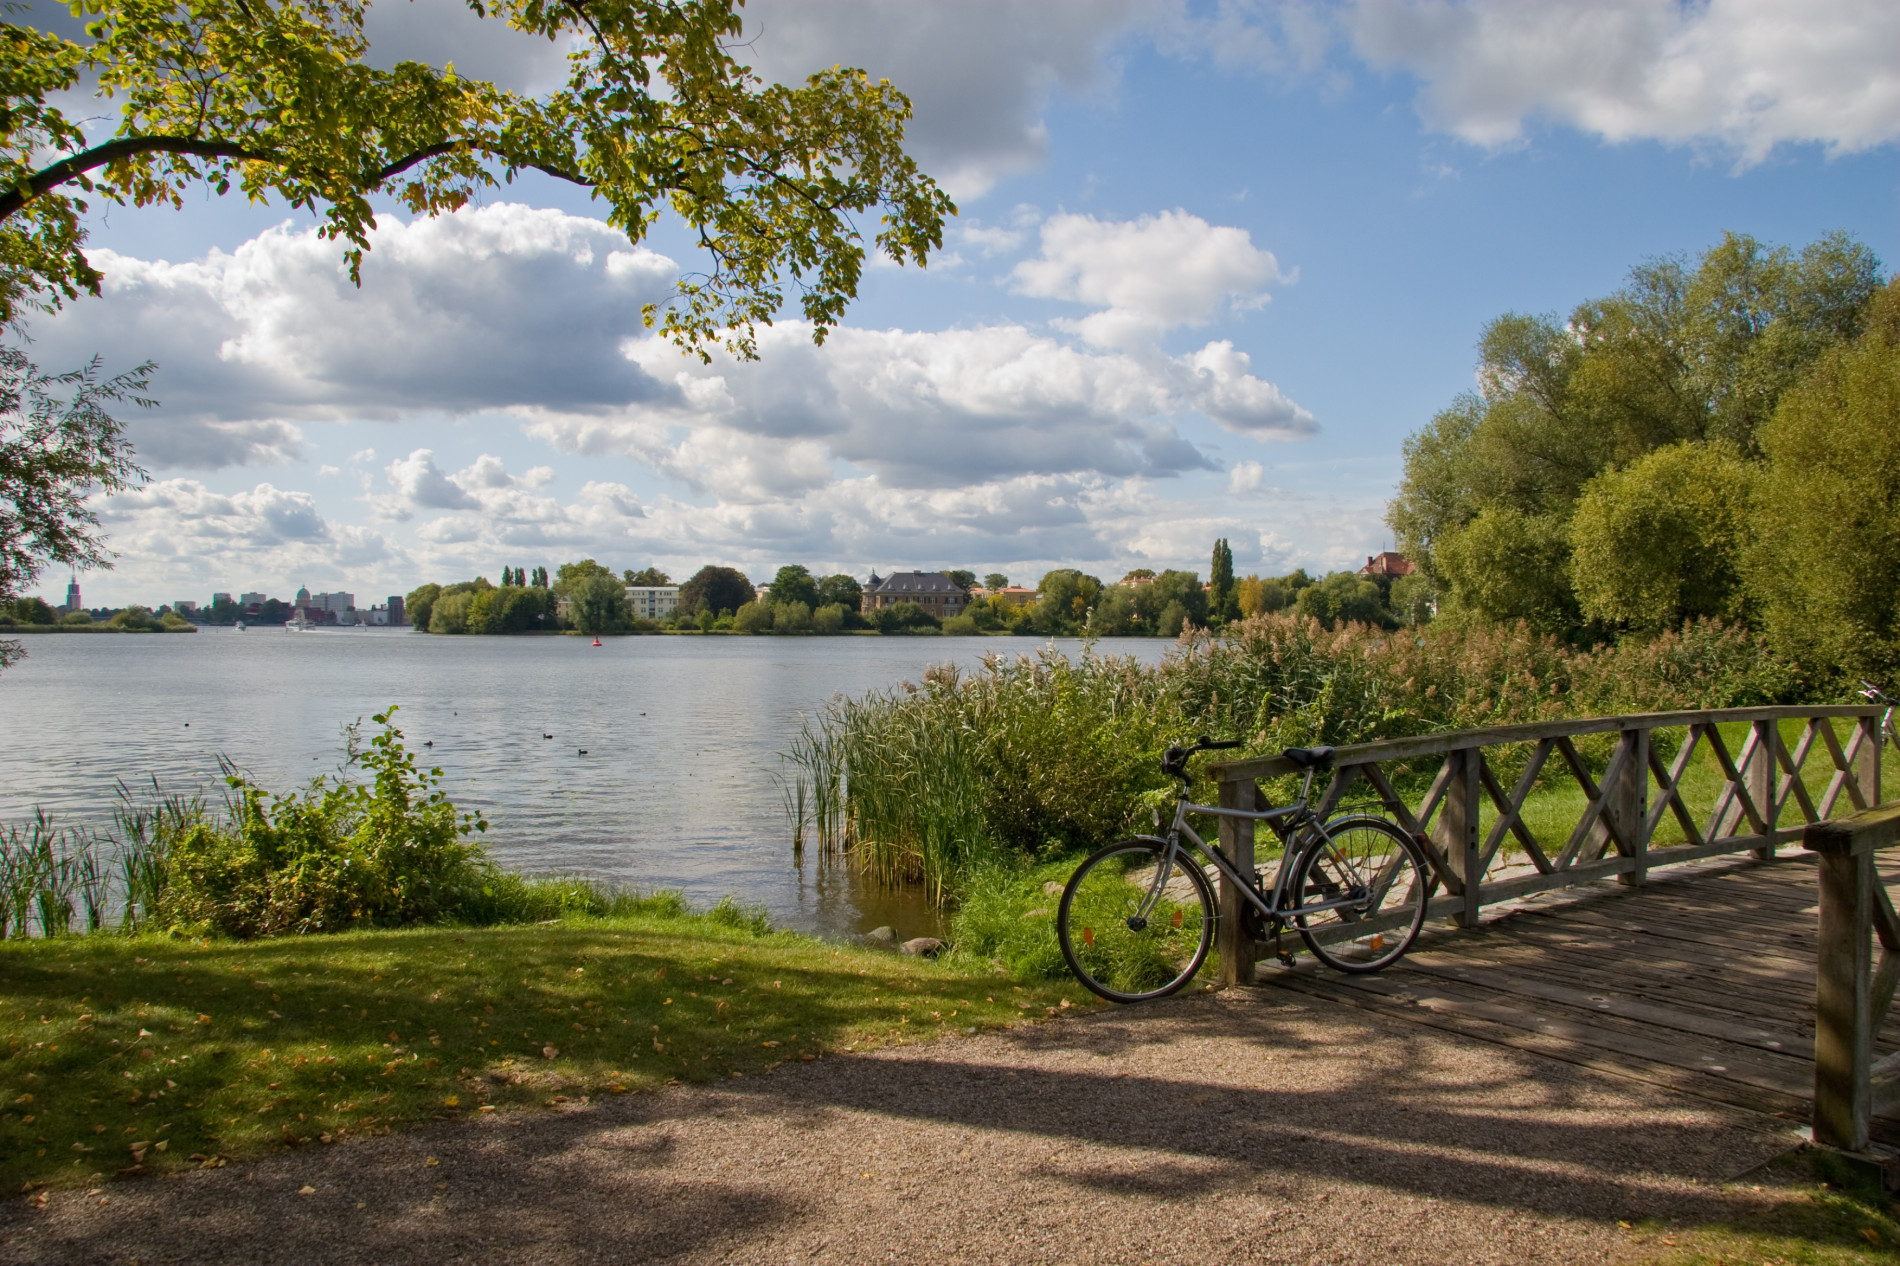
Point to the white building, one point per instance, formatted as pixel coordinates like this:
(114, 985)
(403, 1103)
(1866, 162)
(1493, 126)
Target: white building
(251, 599)
(653, 602)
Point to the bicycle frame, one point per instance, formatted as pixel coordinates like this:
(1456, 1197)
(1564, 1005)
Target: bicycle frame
(1285, 823)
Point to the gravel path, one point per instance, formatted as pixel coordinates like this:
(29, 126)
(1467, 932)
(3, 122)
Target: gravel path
(1245, 1126)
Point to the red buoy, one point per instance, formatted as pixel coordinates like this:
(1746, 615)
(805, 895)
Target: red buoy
(596, 641)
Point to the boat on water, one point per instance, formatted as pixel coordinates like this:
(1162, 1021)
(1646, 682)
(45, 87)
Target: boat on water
(299, 623)
(240, 626)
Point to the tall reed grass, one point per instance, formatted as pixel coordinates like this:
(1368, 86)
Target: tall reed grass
(1038, 756)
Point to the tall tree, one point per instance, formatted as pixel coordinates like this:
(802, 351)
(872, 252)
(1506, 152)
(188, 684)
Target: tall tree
(793, 583)
(647, 576)
(716, 589)
(281, 100)
(1683, 353)
(1825, 560)
(58, 445)
(1222, 602)
(841, 590)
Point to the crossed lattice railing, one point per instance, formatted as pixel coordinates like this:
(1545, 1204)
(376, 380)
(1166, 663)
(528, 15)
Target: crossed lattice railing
(1756, 787)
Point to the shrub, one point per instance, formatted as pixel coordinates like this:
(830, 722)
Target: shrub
(961, 626)
(903, 617)
(753, 617)
(77, 618)
(791, 617)
(340, 854)
(829, 618)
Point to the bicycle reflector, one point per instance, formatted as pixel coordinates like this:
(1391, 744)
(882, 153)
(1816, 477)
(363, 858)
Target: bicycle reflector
(1176, 920)
(1088, 936)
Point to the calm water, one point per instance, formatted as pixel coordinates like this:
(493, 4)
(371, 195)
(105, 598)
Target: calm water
(682, 737)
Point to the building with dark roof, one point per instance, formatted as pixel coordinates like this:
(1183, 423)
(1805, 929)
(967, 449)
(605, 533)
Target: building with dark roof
(931, 590)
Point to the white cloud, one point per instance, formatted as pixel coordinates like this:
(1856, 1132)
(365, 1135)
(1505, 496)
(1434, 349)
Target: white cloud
(421, 483)
(1244, 477)
(1146, 275)
(1741, 75)
(925, 410)
(978, 72)
(482, 309)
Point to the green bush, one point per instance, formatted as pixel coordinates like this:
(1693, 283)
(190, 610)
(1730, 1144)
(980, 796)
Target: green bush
(903, 617)
(340, 854)
(961, 626)
(753, 617)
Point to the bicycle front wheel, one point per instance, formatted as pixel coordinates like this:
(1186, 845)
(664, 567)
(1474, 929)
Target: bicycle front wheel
(1372, 881)
(1122, 939)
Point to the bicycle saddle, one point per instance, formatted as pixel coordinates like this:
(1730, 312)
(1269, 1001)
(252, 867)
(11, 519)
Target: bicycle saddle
(1310, 757)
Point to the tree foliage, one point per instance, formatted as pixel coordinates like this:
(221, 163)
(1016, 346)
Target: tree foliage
(716, 589)
(1660, 541)
(658, 113)
(1682, 355)
(794, 583)
(1825, 560)
(58, 446)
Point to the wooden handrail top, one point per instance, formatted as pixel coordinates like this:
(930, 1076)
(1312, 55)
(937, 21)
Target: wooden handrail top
(1863, 832)
(1531, 732)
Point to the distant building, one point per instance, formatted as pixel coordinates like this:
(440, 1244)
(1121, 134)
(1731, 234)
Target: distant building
(653, 602)
(249, 599)
(931, 590)
(396, 616)
(1015, 595)
(222, 599)
(73, 602)
(1389, 565)
(185, 608)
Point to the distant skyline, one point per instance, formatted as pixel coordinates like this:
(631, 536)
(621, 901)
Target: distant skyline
(1215, 262)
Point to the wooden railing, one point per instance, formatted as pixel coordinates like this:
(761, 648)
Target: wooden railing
(1611, 835)
(1851, 996)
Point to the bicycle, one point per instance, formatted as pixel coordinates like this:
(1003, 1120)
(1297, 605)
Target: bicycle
(1890, 731)
(1138, 917)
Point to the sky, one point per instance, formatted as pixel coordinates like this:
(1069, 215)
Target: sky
(1213, 263)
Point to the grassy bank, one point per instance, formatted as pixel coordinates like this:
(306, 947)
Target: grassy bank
(147, 1053)
(1804, 1209)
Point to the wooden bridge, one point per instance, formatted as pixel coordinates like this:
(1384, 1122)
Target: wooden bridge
(1633, 905)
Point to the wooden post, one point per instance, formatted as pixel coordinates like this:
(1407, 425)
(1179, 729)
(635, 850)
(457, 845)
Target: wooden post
(1237, 946)
(1627, 804)
(1762, 775)
(1843, 1010)
(1867, 759)
(1456, 831)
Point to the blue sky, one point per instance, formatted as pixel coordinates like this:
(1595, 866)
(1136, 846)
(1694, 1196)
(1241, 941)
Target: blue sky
(1214, 263)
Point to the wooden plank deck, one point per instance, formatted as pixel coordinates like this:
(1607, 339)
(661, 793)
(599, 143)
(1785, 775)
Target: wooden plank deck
(1702, 980)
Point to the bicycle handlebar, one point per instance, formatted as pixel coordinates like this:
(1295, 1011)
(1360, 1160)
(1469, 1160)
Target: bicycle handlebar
(1174, 760)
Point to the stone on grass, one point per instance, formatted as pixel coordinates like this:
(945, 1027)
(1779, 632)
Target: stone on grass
(881, 938)
(924, 947)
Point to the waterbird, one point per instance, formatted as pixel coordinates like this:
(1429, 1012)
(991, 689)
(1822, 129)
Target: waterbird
(551, 736)
(583, 751)
(428, 742)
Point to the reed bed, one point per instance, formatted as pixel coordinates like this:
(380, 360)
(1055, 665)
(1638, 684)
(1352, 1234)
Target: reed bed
(1038, 757)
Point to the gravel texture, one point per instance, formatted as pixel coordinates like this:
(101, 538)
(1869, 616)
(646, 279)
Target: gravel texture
(1245, 1125)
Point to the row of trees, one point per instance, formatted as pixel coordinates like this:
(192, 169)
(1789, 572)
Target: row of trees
(1716, 440)
(590, 598)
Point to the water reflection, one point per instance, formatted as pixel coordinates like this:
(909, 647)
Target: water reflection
(649, 760)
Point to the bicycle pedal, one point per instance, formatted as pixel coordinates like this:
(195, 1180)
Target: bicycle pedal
(1286, 959)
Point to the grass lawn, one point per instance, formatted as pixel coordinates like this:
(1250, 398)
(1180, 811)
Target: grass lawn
(1805, 1207)
(145, 1053)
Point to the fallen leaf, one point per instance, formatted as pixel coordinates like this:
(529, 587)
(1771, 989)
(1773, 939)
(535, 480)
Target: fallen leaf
(453, 1101)
(306, 1190)
(549, 1052)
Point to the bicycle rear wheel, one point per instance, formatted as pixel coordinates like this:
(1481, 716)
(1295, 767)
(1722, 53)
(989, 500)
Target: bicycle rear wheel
(1117, 949)
(1378, 878)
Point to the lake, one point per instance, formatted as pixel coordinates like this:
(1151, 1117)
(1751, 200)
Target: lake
(678, 787)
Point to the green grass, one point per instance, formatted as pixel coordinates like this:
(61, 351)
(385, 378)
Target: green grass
(1804, 1209)
(145, 1053)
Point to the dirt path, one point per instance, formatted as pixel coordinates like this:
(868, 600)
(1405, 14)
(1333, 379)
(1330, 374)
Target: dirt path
(1244, 1126)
